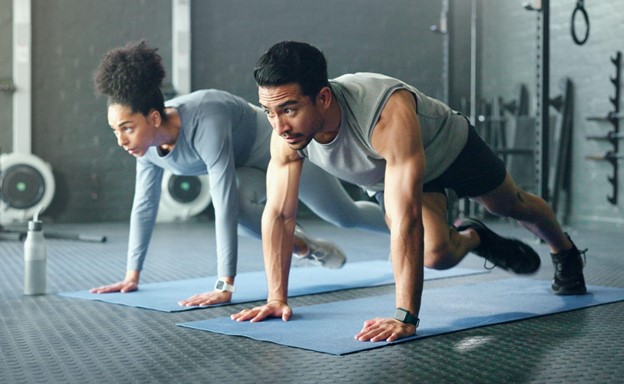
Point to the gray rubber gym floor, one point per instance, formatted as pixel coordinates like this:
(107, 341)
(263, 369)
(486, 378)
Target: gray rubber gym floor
(52, 339)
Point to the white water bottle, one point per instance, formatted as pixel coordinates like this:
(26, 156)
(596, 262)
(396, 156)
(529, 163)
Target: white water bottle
(35, 259)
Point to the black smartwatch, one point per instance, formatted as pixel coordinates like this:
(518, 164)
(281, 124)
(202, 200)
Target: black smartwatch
(404, 316)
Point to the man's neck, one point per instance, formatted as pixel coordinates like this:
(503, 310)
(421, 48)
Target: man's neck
(331, 123)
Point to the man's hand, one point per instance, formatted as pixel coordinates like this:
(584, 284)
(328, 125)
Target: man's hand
(381, 329)
(121, 286)
(207, 298)
(273, 308)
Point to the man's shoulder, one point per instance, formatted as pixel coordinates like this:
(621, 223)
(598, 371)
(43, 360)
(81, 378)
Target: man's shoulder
(365, 85)
(359, 77)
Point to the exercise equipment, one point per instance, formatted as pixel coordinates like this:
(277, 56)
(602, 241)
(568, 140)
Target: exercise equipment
(26, 185)
(542, 127)
(561, 163)
(613, 156)
(252, 286)
(26, 188)
(183, 197)
(330, 327)
(579, 9)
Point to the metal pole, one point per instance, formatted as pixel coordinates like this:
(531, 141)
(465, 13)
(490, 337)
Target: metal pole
(473, 62)
(22, 71)
(442, 28)
(445, 48)
(181, 46)
(543, 129)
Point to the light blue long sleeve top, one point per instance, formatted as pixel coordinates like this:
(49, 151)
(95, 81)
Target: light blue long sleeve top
(218, 131)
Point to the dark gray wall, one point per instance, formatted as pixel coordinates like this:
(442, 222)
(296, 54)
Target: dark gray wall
(6, 70)
(509, 58)
(507, 49)
(95, 178)
(358, 35)
(459, 55)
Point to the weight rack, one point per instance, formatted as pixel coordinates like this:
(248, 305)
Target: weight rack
(614, 136)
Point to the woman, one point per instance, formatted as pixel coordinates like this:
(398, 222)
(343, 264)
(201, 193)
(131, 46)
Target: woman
(208, 132)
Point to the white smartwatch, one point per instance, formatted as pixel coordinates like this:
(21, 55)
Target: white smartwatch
(223, 286)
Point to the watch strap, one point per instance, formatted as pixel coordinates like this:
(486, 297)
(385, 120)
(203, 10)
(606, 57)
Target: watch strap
(224, 286)
(404, 316)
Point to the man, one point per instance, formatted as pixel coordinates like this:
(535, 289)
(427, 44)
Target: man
(385, 135)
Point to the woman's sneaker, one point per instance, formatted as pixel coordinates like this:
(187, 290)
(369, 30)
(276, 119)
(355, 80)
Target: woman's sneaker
(506, 253)
(568, 264)
(320, 252)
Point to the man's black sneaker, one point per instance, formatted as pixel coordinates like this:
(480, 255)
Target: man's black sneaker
(568, 264)
(509, 254)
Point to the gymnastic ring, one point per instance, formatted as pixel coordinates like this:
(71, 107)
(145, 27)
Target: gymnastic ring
(579, 8)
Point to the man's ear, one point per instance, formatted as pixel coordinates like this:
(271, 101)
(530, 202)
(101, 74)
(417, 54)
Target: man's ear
(324, 97)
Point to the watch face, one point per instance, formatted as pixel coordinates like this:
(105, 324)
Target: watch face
(223, 286)
(400, 314)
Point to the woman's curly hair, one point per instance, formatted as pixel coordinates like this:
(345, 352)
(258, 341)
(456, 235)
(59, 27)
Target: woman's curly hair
(132, 75)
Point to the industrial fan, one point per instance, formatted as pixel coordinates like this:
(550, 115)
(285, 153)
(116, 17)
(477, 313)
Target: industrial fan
(26, 186)
(183, 197)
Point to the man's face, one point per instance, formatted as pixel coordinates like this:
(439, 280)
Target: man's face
(293, 116)
(134, 131)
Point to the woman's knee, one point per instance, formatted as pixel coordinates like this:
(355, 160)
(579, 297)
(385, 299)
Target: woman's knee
(341, 221)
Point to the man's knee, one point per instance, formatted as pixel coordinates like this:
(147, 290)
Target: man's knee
(439, 255)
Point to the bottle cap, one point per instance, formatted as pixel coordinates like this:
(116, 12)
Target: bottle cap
(35, 225)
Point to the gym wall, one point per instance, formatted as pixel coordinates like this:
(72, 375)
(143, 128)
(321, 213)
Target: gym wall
(508, 57)
(355, 35)
(95, 178)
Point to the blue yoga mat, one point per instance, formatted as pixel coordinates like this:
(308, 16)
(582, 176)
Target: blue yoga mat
(330, 327)
(252, 286)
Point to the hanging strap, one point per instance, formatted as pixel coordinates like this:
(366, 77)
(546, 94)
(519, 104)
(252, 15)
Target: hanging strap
(580, 8)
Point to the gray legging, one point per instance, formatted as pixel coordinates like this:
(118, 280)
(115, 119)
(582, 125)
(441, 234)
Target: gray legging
(318, 190)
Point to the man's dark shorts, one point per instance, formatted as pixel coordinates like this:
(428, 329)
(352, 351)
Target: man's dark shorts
(476, 171)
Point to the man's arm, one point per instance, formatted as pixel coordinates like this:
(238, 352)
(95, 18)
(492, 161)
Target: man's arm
(278, 224)
(397, 139)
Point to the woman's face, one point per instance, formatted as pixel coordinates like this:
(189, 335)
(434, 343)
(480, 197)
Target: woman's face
(135, 132)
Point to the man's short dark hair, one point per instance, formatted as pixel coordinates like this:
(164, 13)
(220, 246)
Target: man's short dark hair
(291, 62)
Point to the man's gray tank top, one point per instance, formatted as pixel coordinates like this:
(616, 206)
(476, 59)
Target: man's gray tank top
(362, 97)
